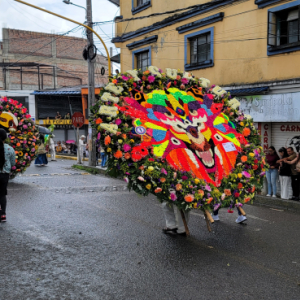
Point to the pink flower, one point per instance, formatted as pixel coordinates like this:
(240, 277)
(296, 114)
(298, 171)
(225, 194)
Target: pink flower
(126, 179)
(164, 171)
(25, 126)
(118, 121)
(151, 79)
(125, 78)
(33, 150)
(173, 196)
(185, 81)
(13, 168)
(140, 178)
(207, 187)
(246, 174)
(126, 147)
(184, 177)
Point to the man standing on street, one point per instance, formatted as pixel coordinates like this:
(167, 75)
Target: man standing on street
(52, 148)
(295, 183)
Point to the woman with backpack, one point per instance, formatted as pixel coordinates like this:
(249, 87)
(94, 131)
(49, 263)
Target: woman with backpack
(7, 161)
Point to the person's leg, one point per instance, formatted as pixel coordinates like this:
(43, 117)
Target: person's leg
(274, 176)
(169, 215)
(179, 221)
(240, 218)
(268, 175)
(215, 215)
(3, 205)
(284, 184)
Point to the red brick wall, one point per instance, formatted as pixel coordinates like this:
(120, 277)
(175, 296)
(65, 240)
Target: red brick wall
(67, 57)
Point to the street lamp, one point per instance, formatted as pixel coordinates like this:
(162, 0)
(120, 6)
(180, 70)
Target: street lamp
(69, 2)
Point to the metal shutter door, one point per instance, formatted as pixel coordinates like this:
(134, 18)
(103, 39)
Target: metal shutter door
(59, 135)
(286, 135)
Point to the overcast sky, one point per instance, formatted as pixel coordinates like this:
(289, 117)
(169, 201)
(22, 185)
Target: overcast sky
(19, 16)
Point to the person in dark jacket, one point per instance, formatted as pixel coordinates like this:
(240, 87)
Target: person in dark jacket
(7, 161)
(272, 174)
(284, 174)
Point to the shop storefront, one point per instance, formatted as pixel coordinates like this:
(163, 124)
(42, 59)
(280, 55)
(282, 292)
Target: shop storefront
(278, 117)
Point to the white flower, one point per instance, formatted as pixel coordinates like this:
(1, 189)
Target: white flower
(218, 91)
(234, 103)
(205, 83)
(108, 97)
(171, 73)
(113, 128)
(248, 117)
(134, 74)
(117, 90)
(154, 71)
(188, 76)
(108, 110)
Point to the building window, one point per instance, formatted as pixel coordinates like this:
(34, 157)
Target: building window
(140, 5)
(141, 59)
(199, 50)
(284, 28)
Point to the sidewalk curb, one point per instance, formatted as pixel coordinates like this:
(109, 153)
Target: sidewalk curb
(277, 203)
(92, 170)
(67, 157)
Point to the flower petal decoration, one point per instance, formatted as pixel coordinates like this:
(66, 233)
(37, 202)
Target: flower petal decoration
(21, 133)
(186, 139)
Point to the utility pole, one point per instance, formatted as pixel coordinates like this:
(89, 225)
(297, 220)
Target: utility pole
(91, 82)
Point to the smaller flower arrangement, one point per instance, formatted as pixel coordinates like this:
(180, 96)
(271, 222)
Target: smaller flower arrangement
(22, 133)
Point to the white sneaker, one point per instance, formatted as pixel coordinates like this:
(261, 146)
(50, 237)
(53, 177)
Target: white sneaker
(216, 218)
(268, 195)
(240, 219)
(274, 196)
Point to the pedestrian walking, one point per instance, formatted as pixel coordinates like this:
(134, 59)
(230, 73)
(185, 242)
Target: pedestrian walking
(52, 148)
(174, 222)
(41, 160)
(284, 174)
(240, 219)
(295, 164)
(295, 175)
(272, 173)
(7, 161)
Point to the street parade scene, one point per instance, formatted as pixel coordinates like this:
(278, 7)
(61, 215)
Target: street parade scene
(150, 152)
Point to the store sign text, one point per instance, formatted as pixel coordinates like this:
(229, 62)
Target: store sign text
(292, 128)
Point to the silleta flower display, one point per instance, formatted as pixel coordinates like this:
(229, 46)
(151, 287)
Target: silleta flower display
(179, 138)
(22, 133)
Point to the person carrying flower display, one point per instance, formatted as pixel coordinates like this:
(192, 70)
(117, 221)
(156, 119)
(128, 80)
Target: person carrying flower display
(181, 139)
(7, 161)
(272, 174)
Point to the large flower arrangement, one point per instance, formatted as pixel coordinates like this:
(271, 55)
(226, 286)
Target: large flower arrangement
(22, 134)
(179, 138)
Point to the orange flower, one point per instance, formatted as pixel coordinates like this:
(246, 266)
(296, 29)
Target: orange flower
(244, 158)
(246, 131)
(147, 72)
(144, 78)
(255, 167)
(99, 121)
(169, 85)
(201, 192)
(189, 198)
(107, 140)
(178, 187)
(118, 154)
(124, 136)
(141, 167)
(163, 179)
(253, 189)
(247, 199)
(18, 144)
(158, 190)
(209, 200)
(240, 186)
(227, 192)
(115, 81)
(127, 155)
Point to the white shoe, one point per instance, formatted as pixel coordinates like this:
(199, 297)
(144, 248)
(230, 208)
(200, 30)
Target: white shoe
(216, 218)
(274, 196)
(268, 195)
(240, 219)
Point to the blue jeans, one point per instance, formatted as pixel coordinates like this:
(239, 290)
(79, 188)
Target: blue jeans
(103, 159)
(272, 175)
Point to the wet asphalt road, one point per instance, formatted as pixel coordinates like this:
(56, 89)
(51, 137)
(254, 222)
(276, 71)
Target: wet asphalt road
(78, 236)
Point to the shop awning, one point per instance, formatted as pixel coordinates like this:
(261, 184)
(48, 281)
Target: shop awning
(56, 92)
(249, 91)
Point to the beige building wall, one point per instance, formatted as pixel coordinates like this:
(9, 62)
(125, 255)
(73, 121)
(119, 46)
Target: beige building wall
(240, 43)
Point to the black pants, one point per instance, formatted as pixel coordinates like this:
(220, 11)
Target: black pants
(3, 205)
(3, 192)
(296, 185)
